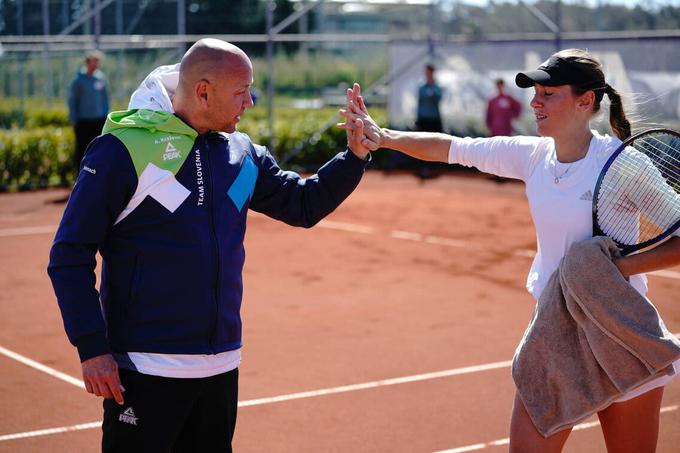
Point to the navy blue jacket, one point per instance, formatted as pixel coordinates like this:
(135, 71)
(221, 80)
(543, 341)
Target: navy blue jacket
(166, 209)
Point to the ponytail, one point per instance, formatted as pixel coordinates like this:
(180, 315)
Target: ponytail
(617, 117)
(588, 64)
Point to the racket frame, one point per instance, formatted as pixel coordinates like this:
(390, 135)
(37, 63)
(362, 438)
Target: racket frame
(627, 249)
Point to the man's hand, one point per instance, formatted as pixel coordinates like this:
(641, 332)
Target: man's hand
(101, 377)
(355, 135)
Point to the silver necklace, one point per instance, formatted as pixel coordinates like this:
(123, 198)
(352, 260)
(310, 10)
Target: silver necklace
(557, 178)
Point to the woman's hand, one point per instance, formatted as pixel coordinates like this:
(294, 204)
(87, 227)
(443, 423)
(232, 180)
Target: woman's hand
(355, 113)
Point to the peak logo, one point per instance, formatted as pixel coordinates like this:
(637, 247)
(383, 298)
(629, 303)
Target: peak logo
(128, 416)
(171, 152)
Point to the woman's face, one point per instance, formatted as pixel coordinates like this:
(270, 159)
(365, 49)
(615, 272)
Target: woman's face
(555, 109)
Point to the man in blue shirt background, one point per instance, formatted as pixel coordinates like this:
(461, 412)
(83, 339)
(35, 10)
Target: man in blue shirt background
(429, 95)
(88, 104)
(428, 117)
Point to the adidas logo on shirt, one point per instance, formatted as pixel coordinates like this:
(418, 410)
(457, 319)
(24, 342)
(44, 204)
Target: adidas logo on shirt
(128, 416)
(588, 196)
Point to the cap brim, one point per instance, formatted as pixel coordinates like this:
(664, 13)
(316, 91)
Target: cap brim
(530, 78)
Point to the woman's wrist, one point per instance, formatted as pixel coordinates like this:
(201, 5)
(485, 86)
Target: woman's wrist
(621, 264)
(387, 138)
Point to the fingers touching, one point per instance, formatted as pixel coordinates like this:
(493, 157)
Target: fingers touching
(357, 135)
(363, 133)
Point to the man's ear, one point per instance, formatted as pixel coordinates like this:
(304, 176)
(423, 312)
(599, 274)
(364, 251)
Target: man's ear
(202, 88)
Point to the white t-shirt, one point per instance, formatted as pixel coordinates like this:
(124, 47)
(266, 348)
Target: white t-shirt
(185, 365)
(560, 195)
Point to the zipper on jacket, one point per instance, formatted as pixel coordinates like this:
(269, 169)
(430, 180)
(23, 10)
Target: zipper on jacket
(213, 233)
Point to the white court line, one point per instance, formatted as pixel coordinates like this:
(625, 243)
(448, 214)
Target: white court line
(258, 401)
(247, 403)
(48, 431)
(667, 274)
(406, 235)
(354, 228)
(351, 227)
(449, 242)
(40, 367)
(506, 441)
(25, 231)
(473, 447)
(292, 396)
(375, 384)
(437, 240)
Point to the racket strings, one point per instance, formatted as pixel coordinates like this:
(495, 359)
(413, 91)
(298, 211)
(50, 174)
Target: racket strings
(654, 218)
(666, 162)
(622, 219)
(620, 181)
(669, 171)
(637, 199)
(619, 215)
(614, 208)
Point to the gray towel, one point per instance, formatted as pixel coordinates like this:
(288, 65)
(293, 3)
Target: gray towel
(592, 338)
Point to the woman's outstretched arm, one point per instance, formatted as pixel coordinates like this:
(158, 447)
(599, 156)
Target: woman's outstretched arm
(429, 146)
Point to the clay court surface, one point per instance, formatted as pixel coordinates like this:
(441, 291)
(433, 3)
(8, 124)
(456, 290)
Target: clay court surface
(387, 328)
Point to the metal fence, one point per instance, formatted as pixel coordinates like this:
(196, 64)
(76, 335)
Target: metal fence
(645, 67)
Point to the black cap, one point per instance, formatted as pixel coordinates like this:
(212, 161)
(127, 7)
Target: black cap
(561, 71)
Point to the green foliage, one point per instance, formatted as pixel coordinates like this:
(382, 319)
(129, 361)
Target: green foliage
(43, 155)
(299, 75)
(299, 141)
(35, 157)
(35, 114)
(309, 74)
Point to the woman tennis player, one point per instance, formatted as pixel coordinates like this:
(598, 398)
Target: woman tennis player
(560, 169)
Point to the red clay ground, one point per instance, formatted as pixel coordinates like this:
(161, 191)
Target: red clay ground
(405, 278)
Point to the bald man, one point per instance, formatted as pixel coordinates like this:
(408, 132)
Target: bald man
(162, 195)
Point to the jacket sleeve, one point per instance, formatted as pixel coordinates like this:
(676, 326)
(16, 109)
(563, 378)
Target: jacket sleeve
(297, 201)
(105, 184)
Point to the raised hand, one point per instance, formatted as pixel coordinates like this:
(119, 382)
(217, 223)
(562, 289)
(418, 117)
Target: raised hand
(356, 110)
(355, 138)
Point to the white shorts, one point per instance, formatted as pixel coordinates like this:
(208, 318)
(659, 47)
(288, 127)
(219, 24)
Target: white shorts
(651, 385)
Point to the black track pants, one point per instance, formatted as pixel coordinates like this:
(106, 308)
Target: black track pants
(171, 414)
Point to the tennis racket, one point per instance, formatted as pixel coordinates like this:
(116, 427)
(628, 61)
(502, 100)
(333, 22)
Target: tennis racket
(636, 201)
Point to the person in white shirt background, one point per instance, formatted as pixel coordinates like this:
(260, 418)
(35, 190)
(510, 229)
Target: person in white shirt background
(560, 169)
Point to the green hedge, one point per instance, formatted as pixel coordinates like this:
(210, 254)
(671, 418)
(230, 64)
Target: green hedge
(42, 156)
(35, 115)
(297, 141)
(35, 157)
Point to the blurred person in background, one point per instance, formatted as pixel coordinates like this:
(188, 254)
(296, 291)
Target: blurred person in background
(88, 104)
(501, 110)
(428, 116)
